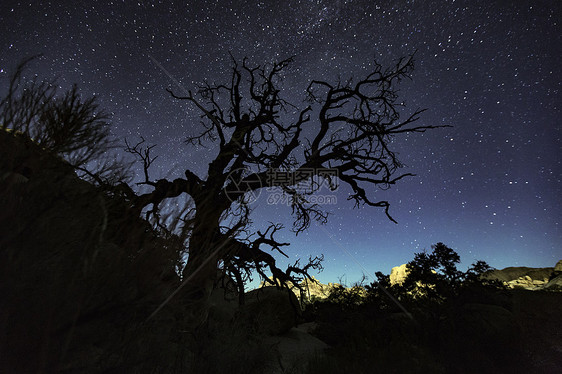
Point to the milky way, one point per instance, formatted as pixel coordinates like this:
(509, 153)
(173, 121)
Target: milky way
(489, 186)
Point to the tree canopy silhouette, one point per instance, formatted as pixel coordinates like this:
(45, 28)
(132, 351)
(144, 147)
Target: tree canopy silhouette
(343, 134)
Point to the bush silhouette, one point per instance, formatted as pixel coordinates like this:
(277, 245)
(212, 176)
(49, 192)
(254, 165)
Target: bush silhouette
(457, 316)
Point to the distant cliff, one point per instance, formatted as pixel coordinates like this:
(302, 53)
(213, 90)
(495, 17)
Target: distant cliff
(513, 277)
(529, 278)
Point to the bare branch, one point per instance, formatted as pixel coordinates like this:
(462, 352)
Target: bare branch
(349, 127)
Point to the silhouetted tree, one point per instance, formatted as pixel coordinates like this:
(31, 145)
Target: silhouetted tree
(435, 275)
(346, 129)
(433, 279)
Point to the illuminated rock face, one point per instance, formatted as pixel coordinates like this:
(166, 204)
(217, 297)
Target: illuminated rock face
(316, 289)
(398, 274)
(312, 289)
(527, 283)
(528, 278)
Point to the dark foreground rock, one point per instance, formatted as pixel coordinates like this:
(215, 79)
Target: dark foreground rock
(79, 274)
(270, 310)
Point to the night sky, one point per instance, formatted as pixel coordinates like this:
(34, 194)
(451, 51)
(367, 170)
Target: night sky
(489, 187)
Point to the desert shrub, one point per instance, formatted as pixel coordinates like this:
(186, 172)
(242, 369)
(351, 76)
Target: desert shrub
(433, 278)
(347, 298)
(457, 316)
(66, 125)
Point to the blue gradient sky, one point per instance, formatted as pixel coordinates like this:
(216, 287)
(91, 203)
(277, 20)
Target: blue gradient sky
(489, 187)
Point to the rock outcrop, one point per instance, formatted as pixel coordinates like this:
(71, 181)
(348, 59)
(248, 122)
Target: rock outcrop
(78, 271)
(398, 274)
(270, 310)
(527, 278)
(311, 288)
(316, 289)
(555, 284)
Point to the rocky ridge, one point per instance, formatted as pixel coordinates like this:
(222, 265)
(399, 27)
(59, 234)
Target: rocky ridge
(549, 278)
(312, 288)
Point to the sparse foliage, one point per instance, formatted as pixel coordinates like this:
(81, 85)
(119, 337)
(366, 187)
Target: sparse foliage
(66, 125)
(434, 277)
(456, 316)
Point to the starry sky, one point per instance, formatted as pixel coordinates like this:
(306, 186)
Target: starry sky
(489, 186)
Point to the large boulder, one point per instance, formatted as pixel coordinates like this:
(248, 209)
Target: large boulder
(270, 310)
(558, 267)
(555, 284)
